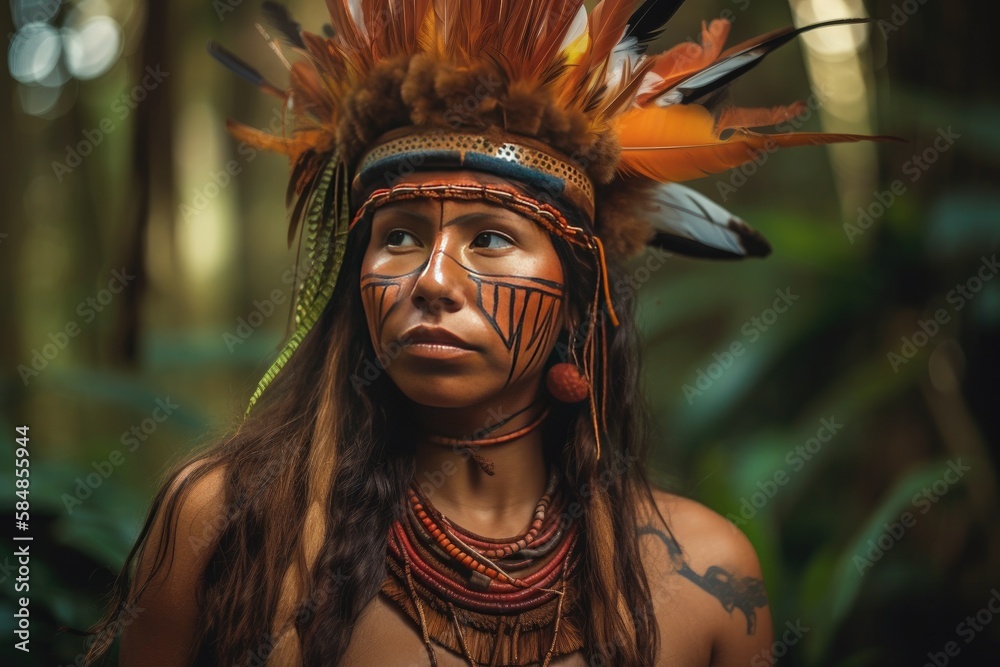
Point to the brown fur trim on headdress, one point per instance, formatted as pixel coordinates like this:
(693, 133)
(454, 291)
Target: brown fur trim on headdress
(424, 92)
(373, 108)
(623, 228)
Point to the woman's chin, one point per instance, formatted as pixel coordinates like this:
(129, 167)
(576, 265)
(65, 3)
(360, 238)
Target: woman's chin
(457, 388)
(445, 397)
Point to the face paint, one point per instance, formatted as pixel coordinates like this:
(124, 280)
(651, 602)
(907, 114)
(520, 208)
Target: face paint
(427, 264)
(524, 313)
(380, 294)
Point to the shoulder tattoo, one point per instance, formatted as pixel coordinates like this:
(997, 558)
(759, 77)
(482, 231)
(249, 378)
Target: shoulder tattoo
(734, 592)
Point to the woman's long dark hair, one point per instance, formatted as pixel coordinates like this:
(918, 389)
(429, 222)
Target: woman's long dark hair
(320, 448)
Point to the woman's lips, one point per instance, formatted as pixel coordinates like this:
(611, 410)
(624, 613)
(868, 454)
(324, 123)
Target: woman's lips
(434, 343)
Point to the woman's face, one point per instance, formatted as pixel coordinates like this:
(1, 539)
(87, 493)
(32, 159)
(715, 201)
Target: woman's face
(464, 300)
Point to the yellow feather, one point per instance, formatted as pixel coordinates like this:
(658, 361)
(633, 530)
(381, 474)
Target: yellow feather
(575, 51)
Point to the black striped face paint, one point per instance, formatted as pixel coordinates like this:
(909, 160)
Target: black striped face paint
(484, 274)
(524, 313)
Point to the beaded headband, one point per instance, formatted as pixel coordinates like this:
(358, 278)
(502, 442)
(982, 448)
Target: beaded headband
(545, 215)
(550, 175)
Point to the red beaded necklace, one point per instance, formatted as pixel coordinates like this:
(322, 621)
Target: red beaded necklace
(497, 602)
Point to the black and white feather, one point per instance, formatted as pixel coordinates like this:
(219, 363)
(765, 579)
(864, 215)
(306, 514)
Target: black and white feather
(648, 21)
(736, 62)
(689, 223)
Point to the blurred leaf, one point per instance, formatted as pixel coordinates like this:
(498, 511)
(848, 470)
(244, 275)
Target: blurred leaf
(123, 390)
(922, 109)
(198, 349)
(846, 575)
(103, 532)
(813, 243)
(963, 223)
(866, 386)
(695, 408)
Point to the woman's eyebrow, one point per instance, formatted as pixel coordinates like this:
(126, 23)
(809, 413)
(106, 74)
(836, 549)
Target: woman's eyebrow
(458, 220)
(415, 215)
(472, 217)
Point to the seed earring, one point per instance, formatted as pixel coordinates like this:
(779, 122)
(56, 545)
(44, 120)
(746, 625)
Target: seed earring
(566, 381)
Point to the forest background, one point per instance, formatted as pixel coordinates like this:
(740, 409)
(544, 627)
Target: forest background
(838, 401)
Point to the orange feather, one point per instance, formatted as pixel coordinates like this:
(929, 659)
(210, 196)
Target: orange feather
(738, 117)
(258, 139)
(521, 27)
(616, 99)
(680, 143)
(310, 95)
(546, 50)
(607, 25)
(347, 31)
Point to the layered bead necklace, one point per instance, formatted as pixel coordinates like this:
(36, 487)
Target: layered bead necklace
(495, 602)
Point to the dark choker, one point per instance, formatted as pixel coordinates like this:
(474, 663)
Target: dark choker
(473, 444)
(495, 440)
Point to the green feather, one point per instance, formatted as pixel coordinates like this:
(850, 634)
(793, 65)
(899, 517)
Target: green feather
(325, 242)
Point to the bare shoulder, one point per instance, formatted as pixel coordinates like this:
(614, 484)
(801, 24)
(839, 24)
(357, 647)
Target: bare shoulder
(187, 522)
(704, 535)
(164, 621)
(705, 576)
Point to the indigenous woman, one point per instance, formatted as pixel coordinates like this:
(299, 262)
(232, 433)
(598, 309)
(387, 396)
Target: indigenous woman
(446, 464)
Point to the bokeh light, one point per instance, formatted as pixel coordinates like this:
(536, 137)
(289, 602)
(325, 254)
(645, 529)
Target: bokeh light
(34, 52)
(93, 47)
(51, 47)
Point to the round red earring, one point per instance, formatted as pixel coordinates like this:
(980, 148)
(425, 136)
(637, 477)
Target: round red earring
(567, 383)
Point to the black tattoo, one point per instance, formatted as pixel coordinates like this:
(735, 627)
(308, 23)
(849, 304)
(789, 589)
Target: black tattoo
(734, 592)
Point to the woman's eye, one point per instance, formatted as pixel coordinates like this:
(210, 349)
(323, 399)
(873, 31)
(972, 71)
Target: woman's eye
(492, 241)
(398, 238)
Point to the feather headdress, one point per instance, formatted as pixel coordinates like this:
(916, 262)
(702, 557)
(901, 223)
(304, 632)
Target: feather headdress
(518, 77)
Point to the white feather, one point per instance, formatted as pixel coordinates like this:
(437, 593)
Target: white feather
(626, 51)
(649, 84)
(684, 213)
(670, 99)
(576, 29)
(358, 14)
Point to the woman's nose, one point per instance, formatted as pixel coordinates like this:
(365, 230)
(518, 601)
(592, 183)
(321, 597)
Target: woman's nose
(443, 281)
